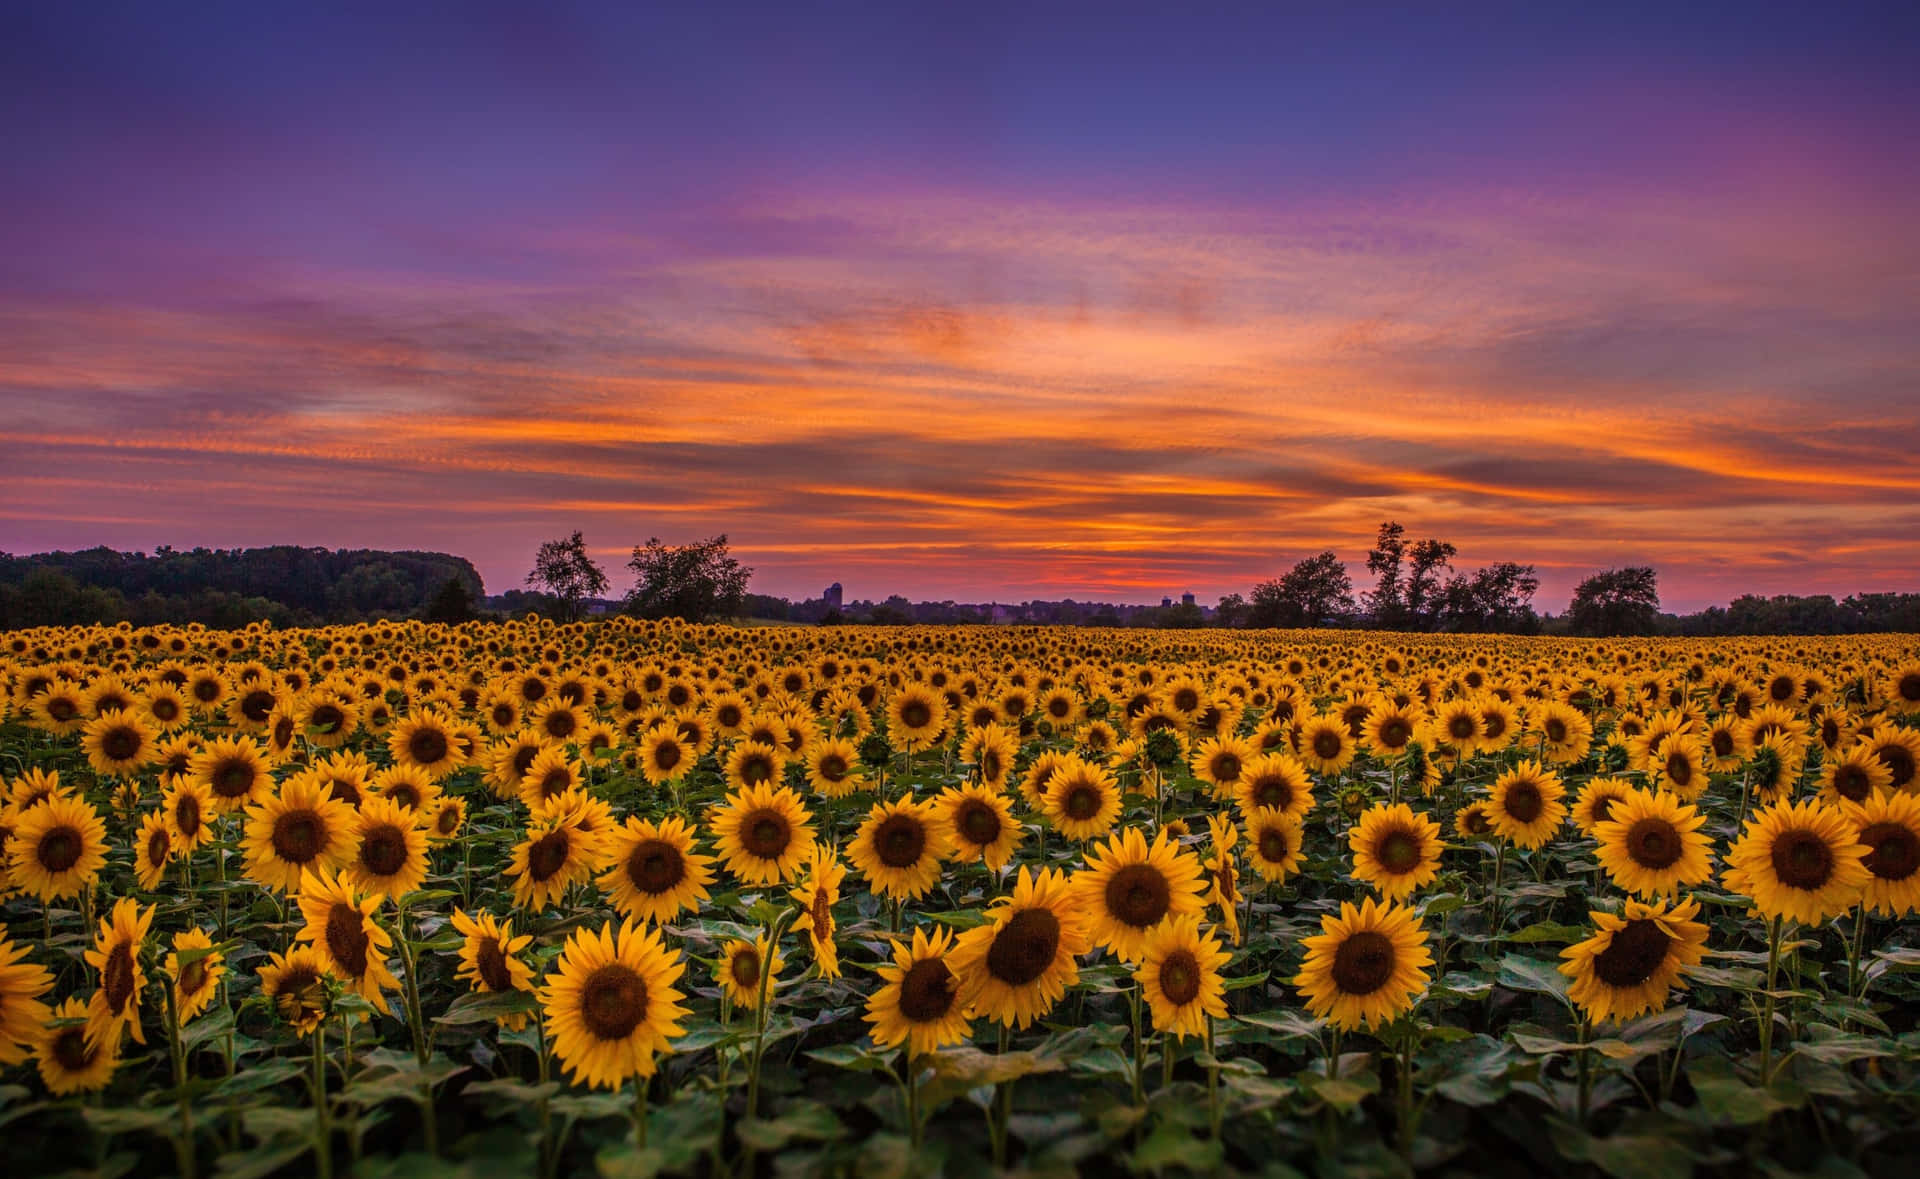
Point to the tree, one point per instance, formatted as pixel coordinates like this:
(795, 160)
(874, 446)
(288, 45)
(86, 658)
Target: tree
(568, 573)
(1617, 602)
(1496, 598)
(1232, 611)
(452, 604)
(698, 582)
(1429, 559)
(1314, 592)
(1383, 561)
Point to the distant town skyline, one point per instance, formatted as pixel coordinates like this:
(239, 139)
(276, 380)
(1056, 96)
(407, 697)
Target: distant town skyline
(975, 302)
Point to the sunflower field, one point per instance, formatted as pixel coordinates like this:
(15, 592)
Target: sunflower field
(631, 898)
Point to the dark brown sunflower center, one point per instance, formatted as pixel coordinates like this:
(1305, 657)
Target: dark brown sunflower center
(1273, 845)
(745, 967)
(159, 843)
(1654, 843)
(1524, 802)
(1460, 727)
(613, 1002)
(1633, 954)
(206, 691)
(1363, 963)
(756, 768)
(1896, 850)
(1603, 807)
(383, 850)
(233, 778)
(70, 1049)
(1082, 802)
(899, 841)
(346, 790)
(820, 909)
(979, 823)
(927, 991)
(1908, 688)
(186, 815)
(490, 963)
(299, 836)
(561, 723)
(121, 744)
(59, 849)
(1273, 790)
(766, 834)
(1851, 782)
(504, 715)
(832, 767)
(116, 977)
(327, 718)
(62, 709)
(1679, 769)
(666, 755)
(1556, 730)
(1180, 977)
(1395, 732)
(1138, 895)
(193, 977)
(257, 705)
(1225, 767)
(548, 854)
(991, 767)
(1801, 859)
(1722, 742)
(347, 938)
(916, 715)
(1326, 745)
(1899, 762)
(427, 746)
(1398, 852)
(557, 780)
(1024, 948)
(654, 866)
(1477, 823)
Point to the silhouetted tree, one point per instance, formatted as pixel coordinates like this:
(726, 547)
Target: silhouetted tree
(565, 570)
(1383, 561)
(1428, 559)
(1232, 611)
(1617, 602)
(1314, 592)
(698, 582)
(453, 604)
(1497, 598)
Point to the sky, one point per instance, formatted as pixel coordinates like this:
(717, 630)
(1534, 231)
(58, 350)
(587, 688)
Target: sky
(980, 302)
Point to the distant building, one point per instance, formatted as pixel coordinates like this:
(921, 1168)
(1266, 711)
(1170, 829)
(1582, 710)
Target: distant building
(832, 596)
(1166, 602)
(1186, 599)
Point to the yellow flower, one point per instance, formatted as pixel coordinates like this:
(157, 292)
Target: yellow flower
(653, 873)
(899, 846)
(1627, 967)
(1129, 887)
(1395, 850)
(763, 833)
(341, 927)
(1651, 844)
(1802, 861)
(611, 1005)
(1179, 975)
(1020, 963)
(739, 971)
(1525, 807)
(115, 1006)
(1365, 967)
(919, 1002)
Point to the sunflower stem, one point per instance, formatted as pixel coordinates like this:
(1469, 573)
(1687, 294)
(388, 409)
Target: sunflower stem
(549, 1157)
(1499, 869)
(1139, 1047)
(1002, 1108)
(429, 1119)
(912, 1069)
(1586, 1068)
(322, 1131)
(183, 1145)
(1213, 1083)
(640, 1112)
(1404, 1086)
(1766, 1021)
(1856, 976)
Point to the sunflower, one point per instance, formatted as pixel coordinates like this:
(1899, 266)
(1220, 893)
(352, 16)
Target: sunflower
(1899, 751)
(426, 741)
(116, 955)
(34, 787)
(1474, 821)
(392, 856)
(1630, 963)
(1388, 729)
(1129, 887)
(1082, 799)
(1223, 873)
(1179, 974)
(1677, 765)
(556, 854)
(990, 750)
(509, 762)
(1325, 745)
(752, 765)
(120, 744)
(68, 1059)
(1365, 967)
(1853, 776)
(611, 1005)
(22, 983)
(173, 754)
(919, 1000)
(833, 768)
(444, 819)
(899, 847)
(1014, 968)
(187, 805)
(1457, 725)
(1902, 688)
(489, 961)
(300, 829)
(1802, 861)
(741, 967)
(234, 769)
(551, 774)
(653, 873)
(1564, 731)
(152, 850)
(557, 721)
(1221, 762)
(60, 709)
(327, 718)
(916, 715)
(163, 706)
(980, 819)
(815, 897)
(341, 927)
(1525, 807)
(295, 986)
(1396, 850)
(1889, 826)
(763, 833)
(57, 849)
(1274, 837)
(1650, 843)
(1726, 744)
(1275, 780)
(195, 969)
(663, 756)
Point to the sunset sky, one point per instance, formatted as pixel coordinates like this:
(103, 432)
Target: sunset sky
(972, 301)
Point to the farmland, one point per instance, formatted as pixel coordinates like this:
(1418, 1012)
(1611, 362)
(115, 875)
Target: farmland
(652, 898)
